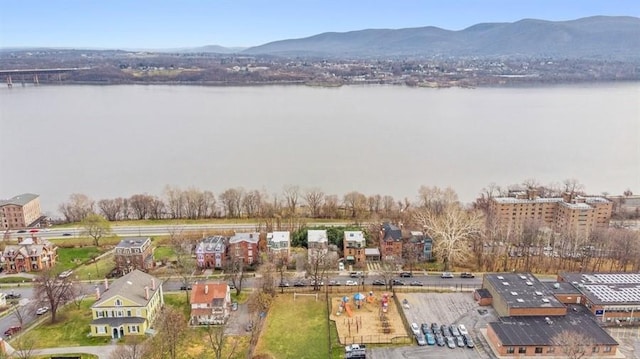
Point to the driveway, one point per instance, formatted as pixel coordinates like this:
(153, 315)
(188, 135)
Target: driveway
(238, 320)
(103, 352)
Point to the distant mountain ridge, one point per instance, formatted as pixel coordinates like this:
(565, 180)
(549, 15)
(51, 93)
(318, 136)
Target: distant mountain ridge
(605, 37)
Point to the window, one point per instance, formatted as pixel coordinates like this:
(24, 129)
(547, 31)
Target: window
(118, 303)
(607, 349)
(522, 350)
(133, 329)
(510, 350)
(538, 350)
(595, 349)
(551, 350)
(101, 329)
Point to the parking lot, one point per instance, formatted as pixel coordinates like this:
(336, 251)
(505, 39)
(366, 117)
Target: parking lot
(448, 309)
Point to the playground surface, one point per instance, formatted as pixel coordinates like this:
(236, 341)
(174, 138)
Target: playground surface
(365, 321)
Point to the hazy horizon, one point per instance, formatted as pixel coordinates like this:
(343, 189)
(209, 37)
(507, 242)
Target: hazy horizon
(150, 24)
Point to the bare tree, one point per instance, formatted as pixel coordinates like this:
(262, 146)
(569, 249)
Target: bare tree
(574, 345)
(330, 206)
(235, 270)
(171, 326)
(291, 196)
(55, 291)
(141, 205)
(232, 201)
(111, 208)
(175, 201)
(452, 229)
(96, 227)
(184, 266)
(319, 262)
(573, 186)
(78, 207)
(251, 203)
(217, 339)
(314, 198)
(436, 199)
(24, 345)
(134, 347)
(356, 204)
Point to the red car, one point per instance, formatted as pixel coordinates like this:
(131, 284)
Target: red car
(33, 231)
(12, 330)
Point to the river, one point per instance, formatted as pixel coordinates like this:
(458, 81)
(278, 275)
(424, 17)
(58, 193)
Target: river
(115, 141)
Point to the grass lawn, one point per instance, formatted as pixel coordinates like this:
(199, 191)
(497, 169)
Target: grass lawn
(173, 222)
(179, 301)
(12, 280)
(96, 270)
(71, 330)
(163, 252)
(295, 329)
(84, 241)
(69, 258)
(70, 355)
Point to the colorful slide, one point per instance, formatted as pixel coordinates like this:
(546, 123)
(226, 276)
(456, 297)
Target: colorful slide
(371, 299)
(347, 307)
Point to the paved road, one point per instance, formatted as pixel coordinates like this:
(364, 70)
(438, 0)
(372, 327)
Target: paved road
(103, 352)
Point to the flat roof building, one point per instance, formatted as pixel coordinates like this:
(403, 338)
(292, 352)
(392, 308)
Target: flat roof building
(20, 211)
(521, 294)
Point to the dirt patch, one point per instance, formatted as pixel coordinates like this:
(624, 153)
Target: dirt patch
(365, 321)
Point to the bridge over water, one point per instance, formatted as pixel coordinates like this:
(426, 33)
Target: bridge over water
(21, 74)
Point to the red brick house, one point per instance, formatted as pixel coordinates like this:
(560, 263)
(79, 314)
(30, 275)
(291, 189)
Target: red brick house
(244, 247)
(32, 254)
(134, 253)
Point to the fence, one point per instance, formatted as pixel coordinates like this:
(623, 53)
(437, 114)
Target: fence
(375, 339)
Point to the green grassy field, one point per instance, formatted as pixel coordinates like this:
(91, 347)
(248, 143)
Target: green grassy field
(69, 355)
(173, 222)
(96, 270)
(70, 258)
(295, 329)
(70, 330)
(163, 252)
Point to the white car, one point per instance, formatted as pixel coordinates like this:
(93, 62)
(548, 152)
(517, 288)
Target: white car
(42, 310)
(415, 329)
(463, 330)
(351, 282)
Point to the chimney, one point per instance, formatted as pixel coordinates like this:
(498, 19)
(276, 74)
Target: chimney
(146, 293)
(206, 289)
(97, 293)
(106, 284)
(153, 284)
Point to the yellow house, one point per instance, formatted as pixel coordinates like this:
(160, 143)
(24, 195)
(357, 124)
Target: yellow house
(128, 306)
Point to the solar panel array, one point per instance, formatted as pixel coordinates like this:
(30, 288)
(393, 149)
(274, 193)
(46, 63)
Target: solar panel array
(613, 294)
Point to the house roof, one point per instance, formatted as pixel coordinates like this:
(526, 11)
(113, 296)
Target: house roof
(607, 288)
(282, 236)
(19, 200)
(317, 235)
(528, 331)
(484, 293)
(251, 237)
(371, 252)
(208, 292)
(133, 242)
(522, 290)
(357, 236)
(27, 248)
(117, 321)
(391, 232)
(211, 244)
(132, 287)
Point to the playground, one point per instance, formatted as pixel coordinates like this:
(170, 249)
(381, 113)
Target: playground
(371, 317)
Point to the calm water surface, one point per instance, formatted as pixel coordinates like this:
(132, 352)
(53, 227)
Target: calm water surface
(109, 141)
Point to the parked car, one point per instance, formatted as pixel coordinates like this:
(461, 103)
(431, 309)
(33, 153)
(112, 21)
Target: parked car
(451, 343)
(185, 286)
(355, 274)
(425, 328)
(300, 283)
(416, 283)
(351, 282)
(335, 283)
(66, 234)
(431, 339)
(14, 295)
(283, 284)
(434, 328)
(234, 306)
(440, 339)
(396, 282)
(444, 330)
(421, 340)
(467, 275)
(460, 341)
(406, 274)
(249, 327)
(446, 275)
(12, 330)
(463, 330)
(42, 310)
(468, 340)
(231, 285)
(454, 330)
(33, 231)
(415, 329)
(377, 282)
(65, 274)
(21, 231)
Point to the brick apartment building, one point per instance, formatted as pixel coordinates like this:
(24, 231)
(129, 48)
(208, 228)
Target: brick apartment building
(31, 254)
(244, 247)
(20, 212)
(390, 243)
(133, 253)
(211, 252)
(354, 245)
(570, 213)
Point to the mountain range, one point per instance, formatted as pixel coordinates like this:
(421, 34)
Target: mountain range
(606, 37)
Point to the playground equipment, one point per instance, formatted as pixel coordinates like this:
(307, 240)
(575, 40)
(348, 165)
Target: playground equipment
(384, 303)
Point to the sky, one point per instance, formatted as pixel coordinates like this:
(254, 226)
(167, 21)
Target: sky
(146, 24)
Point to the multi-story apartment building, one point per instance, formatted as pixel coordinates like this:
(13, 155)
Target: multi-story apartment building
(244, 247)
(279, 243)
(134, 253)
(211, 252)
(390, 243)
(354, 245)
(32, 254)
(572, 214)
(20, 211)
(128, 306)
(317, 244)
